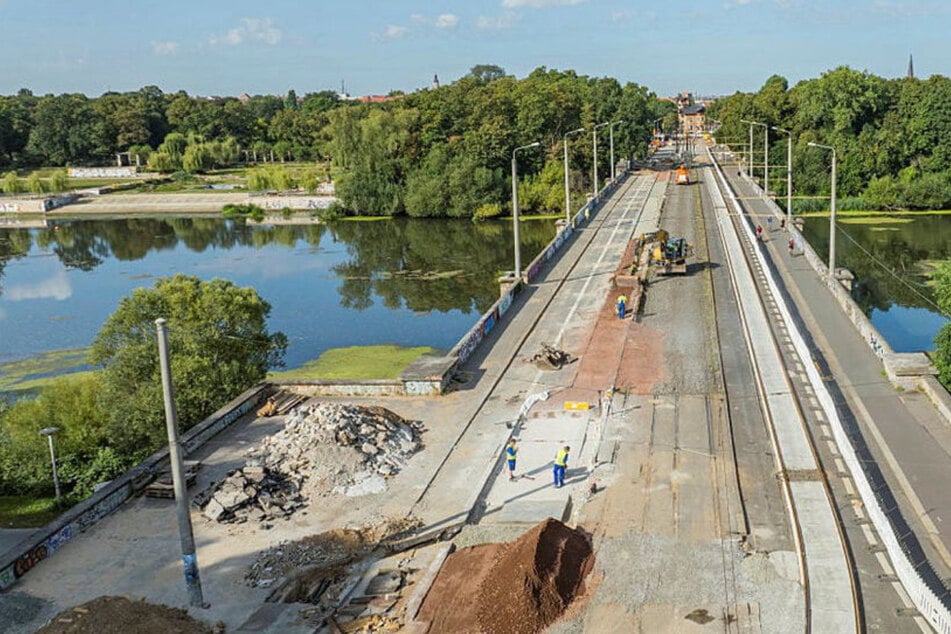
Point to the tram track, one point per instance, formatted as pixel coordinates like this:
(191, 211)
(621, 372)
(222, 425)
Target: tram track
(827, 568)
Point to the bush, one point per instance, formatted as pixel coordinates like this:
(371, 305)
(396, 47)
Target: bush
(486, 211)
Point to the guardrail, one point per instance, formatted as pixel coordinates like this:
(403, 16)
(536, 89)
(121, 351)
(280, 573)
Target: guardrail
(41, 544)
(921, 582)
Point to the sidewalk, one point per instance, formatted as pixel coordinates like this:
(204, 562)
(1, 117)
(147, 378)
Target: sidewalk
(910, 439)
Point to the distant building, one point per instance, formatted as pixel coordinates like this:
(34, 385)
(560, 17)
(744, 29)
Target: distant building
(693, 118)
(911, 67)
(435, 81)
(244, 97)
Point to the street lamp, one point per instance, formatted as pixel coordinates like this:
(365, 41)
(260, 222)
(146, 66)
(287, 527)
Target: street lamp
(832, 212)
(518, 254)
(567, 190)
(611, 135)
(788, 172)
(48, 432)
(765, 153)
(600, 125)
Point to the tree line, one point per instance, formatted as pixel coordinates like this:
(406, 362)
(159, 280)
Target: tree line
(892, 137)
(435, 152)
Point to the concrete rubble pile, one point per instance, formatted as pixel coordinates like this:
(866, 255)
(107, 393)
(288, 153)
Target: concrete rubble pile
(324, 448)
(254, 493)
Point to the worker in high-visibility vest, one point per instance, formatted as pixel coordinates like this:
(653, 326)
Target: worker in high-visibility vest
(511, 454)
(559, 466)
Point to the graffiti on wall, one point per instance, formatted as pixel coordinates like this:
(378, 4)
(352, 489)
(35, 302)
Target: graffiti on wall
(9, 208)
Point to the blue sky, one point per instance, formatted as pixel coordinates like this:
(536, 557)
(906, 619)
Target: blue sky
(226, 48)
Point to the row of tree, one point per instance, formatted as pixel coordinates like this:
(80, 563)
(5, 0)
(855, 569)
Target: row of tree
(447, 152)
(892, 136)
(73, 129)
(438, 152)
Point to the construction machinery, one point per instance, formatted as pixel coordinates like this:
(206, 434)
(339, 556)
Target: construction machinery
(670, 255)
(682, 176)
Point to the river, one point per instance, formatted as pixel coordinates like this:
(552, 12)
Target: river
(889, 259)
(398, 281)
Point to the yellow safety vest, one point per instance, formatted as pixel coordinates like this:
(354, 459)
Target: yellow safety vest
(561, 459)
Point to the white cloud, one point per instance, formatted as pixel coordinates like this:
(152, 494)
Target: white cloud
(164, 48)
(56, 287)
(447, 21)
(539, 4)
(253, 30)
(504, 21)
(441, 21)
(394, 31)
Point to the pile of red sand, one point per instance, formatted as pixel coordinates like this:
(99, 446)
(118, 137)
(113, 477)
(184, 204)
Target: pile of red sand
(120, 615)
(517, 588)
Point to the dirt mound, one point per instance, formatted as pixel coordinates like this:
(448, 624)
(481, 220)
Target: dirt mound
(120, 615)
(527, 586)
(535, 579)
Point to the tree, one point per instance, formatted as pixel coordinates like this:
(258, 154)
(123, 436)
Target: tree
(12, 184)
(487, 72)
(219, 346)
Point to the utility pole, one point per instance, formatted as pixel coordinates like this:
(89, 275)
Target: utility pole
(189, 558)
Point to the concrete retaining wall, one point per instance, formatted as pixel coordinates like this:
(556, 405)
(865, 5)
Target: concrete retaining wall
(292, 202)
(34, 205)
(45, 541)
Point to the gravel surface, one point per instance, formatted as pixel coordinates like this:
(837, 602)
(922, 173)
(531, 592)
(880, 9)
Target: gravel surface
(662, 570)
(17, 609)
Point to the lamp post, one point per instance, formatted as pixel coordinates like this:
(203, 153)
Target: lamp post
(600, 125)
(518, 253)
(48, 432)
(788, 173)
(611, 135)
(765, 153)
(749, 165)
(567, 190)
(175, 450)
(831, 213)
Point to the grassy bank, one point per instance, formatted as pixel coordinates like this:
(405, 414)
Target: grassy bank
(34, 373)
(357, 362)
(27, 512)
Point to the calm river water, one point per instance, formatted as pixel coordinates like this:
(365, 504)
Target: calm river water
(406, 282)
(886, 260)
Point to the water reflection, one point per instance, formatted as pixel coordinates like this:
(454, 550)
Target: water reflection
(888, 261)
(403, 281)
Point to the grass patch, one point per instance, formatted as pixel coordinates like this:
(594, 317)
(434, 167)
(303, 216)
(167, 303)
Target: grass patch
(876, 214)
(357, 362)
(875, 220)
(27, 512)
(35, 372)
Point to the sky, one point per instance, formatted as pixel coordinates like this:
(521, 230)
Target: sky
(213, 47)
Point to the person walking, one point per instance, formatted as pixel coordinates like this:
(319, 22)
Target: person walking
(559, 466)
(759, 233)
(792, 245)
(621, 305)
(511, 452)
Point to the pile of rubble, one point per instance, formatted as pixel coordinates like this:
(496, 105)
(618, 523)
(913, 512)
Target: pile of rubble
(551, 358)
(324, 448)
(253, 493)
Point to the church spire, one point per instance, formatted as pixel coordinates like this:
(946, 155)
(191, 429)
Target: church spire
(911, 67)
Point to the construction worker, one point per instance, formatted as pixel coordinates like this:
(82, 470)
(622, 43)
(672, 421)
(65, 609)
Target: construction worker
(511, 451)
(621, 305)
(559, 466)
